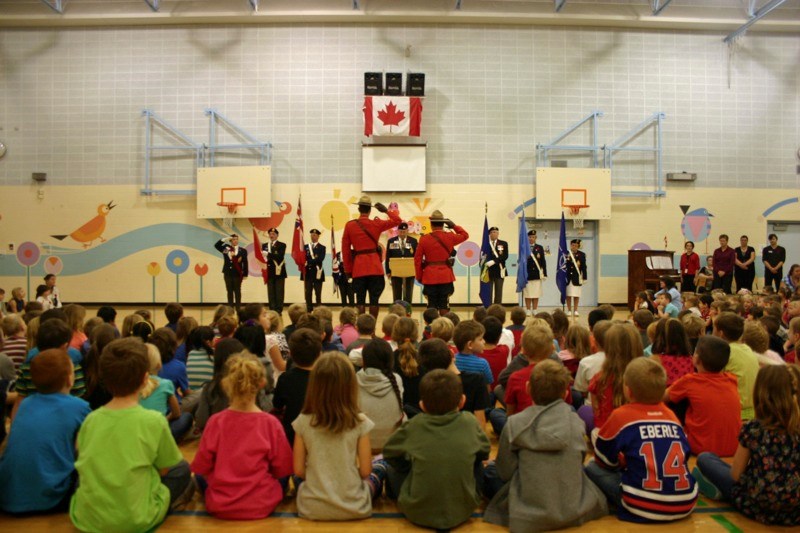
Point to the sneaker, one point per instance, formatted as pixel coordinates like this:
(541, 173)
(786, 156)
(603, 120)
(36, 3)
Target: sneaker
(576, 313)
(708, 489)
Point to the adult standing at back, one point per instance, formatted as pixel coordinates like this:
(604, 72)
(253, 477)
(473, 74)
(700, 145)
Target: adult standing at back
(234, 267)
(537, 273)
(690, 265)
(361, 253)
(576, 275)
(744, 271)
(399, 247)
(724, 261)
(773, 256)
(433, 263)
(314, 275)
(275, 253)
(496, 263)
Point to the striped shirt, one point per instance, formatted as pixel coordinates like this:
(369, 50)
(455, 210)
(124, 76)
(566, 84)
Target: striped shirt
(199, 368)
(25, 386)
(16, 349)
(467, 362)
(656, 483)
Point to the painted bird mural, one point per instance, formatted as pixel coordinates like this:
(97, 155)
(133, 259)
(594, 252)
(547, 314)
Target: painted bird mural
(274, 221)
(696, 224)
(93, 229)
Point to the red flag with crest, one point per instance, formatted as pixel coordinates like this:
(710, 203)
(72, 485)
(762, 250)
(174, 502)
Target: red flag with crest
(298, 242)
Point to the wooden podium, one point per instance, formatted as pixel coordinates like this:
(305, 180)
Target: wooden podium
(402, 267)
(645, 267)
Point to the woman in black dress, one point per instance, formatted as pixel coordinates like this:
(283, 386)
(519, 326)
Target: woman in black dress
(744, 271)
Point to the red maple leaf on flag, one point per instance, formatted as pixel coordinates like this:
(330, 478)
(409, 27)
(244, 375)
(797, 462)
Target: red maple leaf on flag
(390, 116)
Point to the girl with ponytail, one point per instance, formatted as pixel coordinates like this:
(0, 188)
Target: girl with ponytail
(406, 362)
(380, 392)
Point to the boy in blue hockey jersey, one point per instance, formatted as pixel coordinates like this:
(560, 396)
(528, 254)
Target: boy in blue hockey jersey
(641, 452)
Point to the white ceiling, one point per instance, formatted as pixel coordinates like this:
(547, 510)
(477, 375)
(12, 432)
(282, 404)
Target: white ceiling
(717, 15)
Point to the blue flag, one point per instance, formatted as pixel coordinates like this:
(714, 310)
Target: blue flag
(486, 253)
(563, 254)
(523, 254)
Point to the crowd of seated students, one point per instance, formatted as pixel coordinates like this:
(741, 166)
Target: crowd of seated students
(338, 415)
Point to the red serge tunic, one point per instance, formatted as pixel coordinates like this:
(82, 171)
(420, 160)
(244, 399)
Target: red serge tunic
(359, 253)
(430, 261)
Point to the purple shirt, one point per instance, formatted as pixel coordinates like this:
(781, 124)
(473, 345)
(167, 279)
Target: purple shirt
(724, 260)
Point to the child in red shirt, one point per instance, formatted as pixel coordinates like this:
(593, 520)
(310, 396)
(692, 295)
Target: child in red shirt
(497, 355)
(243, 451)
(713, 419)
(518, 326)
(622, 345)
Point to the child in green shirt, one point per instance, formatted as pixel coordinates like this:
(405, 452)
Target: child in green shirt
(130, 469)
(435, 458)
(743, 363)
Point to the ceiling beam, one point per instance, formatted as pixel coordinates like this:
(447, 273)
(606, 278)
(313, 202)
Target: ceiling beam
(757, 15)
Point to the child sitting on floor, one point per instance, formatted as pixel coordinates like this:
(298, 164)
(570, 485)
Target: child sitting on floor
(290, 392)
(244, 451)
(713, 418)
(763, 482)
(640, 454)
(158, 395)
(128, 479)
(743, 363)
(37, 469)
(331, 446)
(543, 442)
(435, 458)
(497, 355)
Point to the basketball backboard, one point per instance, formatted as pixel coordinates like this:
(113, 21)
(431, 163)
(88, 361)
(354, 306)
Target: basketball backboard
(248, 187)
(558, 189)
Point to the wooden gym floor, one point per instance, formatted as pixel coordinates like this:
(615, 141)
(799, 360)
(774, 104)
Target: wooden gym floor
(709, 516)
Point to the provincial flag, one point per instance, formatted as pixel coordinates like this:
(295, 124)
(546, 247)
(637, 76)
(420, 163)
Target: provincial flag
(298, 241)
(259, 255)
(392, 115)
(486, 253)
(523, 254)
(563, 253)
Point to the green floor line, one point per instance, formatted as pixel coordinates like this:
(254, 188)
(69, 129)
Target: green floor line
(727, 524)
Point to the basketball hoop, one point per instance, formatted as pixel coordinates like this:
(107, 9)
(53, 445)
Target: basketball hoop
(577, 215)
(228, 210)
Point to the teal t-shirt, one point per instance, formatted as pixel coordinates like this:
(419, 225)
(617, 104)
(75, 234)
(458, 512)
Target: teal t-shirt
(120, 455)
(159, 398)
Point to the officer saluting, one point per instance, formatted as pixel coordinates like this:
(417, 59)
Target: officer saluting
(234, 267)
(433, 261)
(314, 275)
(399, 247)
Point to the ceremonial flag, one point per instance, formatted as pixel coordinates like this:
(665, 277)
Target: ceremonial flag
(486, 253)
(298, 242)
(563, 254)
(335, 270)
(524, 253)
(259, 255)
(392, 115)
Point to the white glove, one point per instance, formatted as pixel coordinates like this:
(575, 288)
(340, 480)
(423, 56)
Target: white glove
(585, 282)
(490, 263)
(544, 278)
(226, 240)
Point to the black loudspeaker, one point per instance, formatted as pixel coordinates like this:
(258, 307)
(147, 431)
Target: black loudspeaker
(394, 83)
(415, 84)
(373, 83)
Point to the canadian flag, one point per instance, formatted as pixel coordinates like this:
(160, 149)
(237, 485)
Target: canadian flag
(392, 115)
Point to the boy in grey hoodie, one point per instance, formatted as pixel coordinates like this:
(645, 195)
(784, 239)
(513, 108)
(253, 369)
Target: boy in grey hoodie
(543, 442)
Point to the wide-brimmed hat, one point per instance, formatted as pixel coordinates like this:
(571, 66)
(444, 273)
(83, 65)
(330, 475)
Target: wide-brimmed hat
(437, 216)
(365, 200)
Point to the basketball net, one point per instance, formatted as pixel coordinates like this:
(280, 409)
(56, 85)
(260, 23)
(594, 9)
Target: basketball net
(578, 214)
(228, 210)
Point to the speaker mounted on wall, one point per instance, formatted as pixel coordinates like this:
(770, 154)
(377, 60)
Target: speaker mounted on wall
(373, 83)
(415, 84)
(394, 83)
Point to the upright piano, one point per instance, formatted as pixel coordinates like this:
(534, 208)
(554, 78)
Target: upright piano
(645, 268)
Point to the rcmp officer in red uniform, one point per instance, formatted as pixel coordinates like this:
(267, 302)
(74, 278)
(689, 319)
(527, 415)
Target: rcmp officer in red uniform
(433, 261)
(361, 253)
